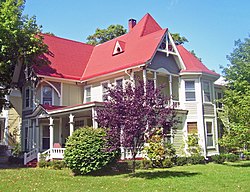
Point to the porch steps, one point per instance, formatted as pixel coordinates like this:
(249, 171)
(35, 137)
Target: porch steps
(32, 163)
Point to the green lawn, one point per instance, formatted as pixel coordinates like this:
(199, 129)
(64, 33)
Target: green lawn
(210, 177)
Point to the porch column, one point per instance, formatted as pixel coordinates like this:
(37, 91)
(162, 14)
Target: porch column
(37, 135)
(94, 123)
(144, 77)
(51, 132)
(33, 134)
(155, 79)
(170, 89)
(29, 135)
(71, 124)
(60, 130)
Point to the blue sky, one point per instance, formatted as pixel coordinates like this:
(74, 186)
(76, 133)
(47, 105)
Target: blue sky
(211, 26)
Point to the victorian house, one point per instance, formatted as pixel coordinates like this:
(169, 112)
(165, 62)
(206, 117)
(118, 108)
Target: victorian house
(63, 96)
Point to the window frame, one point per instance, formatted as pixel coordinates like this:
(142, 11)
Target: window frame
(212, 134)
(52, 94)
(203, 92)
(190, 91)
(85, 93)
(120, 78)
(102, 90)
(28, 100)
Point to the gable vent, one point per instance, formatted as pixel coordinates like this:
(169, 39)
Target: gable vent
(119, 47)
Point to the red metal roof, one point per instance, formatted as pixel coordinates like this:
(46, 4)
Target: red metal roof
(192, 63)
(140, 45)
(78, 61)
(69, 58)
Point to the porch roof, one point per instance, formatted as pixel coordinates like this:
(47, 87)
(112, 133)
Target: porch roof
(43, 111)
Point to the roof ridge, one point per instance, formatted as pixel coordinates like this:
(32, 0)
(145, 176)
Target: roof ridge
(65, 39)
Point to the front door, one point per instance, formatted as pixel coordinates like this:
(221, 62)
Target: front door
(45, 137)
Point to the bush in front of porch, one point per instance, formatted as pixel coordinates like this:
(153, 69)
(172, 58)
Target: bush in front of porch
(85, 151)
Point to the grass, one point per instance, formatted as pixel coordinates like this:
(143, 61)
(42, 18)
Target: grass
(210, 177)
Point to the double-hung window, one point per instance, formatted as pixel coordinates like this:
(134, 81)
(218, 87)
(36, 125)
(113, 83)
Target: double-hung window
(47, 95)
(105, 91)
(210, 134)
(87, 94)
(206, 91)
(190, 90)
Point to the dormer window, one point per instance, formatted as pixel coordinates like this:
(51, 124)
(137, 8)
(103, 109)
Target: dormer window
(119, 47)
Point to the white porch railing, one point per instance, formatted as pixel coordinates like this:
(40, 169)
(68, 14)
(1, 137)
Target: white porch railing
(52, 153)
(30, 156)
(126, 153)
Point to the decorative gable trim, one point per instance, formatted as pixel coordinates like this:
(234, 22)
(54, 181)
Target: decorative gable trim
(119, 47)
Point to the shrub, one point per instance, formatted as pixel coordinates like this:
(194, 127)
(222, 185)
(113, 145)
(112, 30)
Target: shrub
(193, 145)
(16, 151)
(180, 161)
(167, 163)
(158, 150)
(196, 159)
(146, 164)
(55, 164)
(231, 157)
(218, 158)
(85, 151)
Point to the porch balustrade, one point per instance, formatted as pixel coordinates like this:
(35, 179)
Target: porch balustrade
(30, 156)
(52, 153)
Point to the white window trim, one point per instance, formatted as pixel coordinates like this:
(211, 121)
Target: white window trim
(47, 85)
(210, 92)
(213, 134)
(85, 93)
(41, 135)
(103, 82)
(194, 90)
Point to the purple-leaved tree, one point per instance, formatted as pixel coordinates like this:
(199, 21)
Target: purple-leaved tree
(132, 113)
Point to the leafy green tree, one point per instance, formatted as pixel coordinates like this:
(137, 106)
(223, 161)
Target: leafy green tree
(236, 116)
(103, 35)
(178, 39)
(19, 41)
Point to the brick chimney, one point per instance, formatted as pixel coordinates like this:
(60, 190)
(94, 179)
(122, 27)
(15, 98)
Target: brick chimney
(131, 24)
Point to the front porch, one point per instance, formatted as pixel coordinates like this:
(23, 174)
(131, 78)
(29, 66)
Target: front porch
(48, 127)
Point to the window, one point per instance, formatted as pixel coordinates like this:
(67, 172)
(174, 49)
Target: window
(218, 103)
(192, 128)
(206, 92)
(79, 123)
(209, 128)
(45, 138)
(47, 95)
(87, 94)
(190, 90)
(104, 91)
(119, 82)
(27, 97)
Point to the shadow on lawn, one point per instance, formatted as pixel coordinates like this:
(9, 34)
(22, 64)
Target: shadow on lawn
(161, 174)
(241, 164)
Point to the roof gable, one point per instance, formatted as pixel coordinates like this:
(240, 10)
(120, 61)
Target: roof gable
(68, 60)
(119, 47)
(193, 64)
(135, 47)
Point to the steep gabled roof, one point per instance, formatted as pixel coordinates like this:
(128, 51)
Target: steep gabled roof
(141, 44)
(69, 58)
(192, 63)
